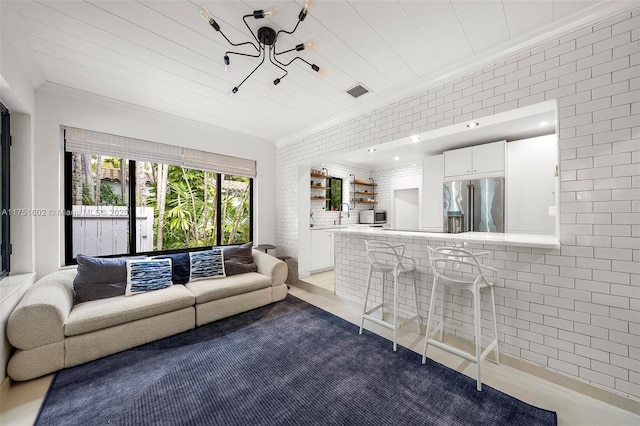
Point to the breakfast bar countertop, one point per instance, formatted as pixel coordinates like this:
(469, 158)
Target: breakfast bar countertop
(497, 238)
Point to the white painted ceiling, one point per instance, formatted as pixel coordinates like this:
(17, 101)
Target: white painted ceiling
(162, 55)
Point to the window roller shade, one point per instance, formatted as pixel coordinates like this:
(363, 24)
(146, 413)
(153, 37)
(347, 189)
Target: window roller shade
(90, 142)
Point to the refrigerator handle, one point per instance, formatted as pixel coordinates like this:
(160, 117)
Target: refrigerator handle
(471, 207)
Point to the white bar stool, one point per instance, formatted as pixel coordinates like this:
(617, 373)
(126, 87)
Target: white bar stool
(389, 259)
(460, 269)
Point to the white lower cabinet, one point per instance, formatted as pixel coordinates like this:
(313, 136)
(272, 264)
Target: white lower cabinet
(321, 250)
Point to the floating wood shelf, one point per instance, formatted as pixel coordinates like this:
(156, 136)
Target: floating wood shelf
(365, 202)
(318, 198)
(364, 193)
(319, 187)
(363, 183)
(319, 175)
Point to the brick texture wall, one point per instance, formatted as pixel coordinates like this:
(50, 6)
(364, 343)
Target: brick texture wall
(575, 310)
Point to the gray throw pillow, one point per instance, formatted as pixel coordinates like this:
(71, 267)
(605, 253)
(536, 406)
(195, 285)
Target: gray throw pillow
(239, 259)
(99, 278)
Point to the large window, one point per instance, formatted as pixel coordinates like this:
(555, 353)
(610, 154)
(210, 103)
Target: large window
(5, 145)
(175, 207)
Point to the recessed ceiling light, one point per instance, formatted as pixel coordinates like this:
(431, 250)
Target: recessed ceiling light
(543, 123)
(371, 150)
(415, 139)
(396, 158)
(472, 124)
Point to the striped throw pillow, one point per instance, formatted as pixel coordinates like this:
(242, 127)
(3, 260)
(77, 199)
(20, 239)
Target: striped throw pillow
(207, 264)
(147, 275)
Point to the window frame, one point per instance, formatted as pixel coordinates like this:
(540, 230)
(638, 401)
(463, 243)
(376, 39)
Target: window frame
(329, 193)
(131, 168)
(5, 202)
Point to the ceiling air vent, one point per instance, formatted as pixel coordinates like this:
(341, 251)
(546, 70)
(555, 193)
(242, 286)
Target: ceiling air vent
(357, 91)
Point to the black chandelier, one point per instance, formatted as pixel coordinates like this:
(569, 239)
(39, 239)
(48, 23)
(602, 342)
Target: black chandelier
(266, 36)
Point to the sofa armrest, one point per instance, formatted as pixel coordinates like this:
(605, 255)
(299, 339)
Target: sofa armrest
(39, 318)
(270, 266)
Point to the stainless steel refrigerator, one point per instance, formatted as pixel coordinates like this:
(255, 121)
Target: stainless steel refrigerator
(474, 205)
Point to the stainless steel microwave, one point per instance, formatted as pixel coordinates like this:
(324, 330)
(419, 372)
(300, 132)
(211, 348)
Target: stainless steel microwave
(373, 216)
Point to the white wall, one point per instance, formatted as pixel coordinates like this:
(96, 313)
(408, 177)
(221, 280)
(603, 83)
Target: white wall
(406, 208)
(573, 310)
(16, 92)
(57, 106)
(531, 185)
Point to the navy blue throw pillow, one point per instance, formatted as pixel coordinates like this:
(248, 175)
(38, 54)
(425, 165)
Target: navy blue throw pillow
(180, 267)
(99, 278)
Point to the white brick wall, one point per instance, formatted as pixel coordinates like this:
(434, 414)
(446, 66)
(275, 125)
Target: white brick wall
(323, 217)
(575, 310)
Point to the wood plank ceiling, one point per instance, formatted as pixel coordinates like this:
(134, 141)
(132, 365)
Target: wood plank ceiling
(162, 55)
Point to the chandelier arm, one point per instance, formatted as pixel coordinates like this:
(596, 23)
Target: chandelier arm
(240, 44)
(254, 70)
(289, 32)
(297, 57)
(244, 18)
(229, 52)
(284, 51)
(277, 63)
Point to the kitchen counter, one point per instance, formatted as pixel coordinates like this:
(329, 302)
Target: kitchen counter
(496, 238)
(345, 225)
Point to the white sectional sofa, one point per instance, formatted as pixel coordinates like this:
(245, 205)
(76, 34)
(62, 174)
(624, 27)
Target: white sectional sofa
(51, 333)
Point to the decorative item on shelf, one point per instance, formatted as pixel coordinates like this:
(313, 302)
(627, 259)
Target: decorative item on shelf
(264, 37)
(319, 173)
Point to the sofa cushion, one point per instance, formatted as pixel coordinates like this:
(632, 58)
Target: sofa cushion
(103, 313)
(239, 259)
(98, 278)
(147, 275)
(214, 289)
(180, 264)
(206, 264)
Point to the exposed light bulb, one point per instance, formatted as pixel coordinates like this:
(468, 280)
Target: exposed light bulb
(205, 14)
(306, 45)
(270, 12)
(207, 17)
(305, 10)
(307, 5)
(233, 91)
(276, 81)
(226, 63)
(315, 67)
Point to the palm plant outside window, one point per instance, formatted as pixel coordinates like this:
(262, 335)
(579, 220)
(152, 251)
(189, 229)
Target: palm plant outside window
(176, 207)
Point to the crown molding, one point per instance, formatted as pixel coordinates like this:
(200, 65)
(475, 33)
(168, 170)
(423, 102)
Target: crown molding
(590, 16)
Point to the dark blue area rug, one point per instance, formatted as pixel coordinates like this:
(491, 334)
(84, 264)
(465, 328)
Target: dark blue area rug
(289, 363)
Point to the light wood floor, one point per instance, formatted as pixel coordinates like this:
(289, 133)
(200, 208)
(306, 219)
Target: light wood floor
(323, 280)
(21, 401)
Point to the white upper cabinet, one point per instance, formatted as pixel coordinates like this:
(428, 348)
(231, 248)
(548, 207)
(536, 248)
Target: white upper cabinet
(458, 162)
(475, 160)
